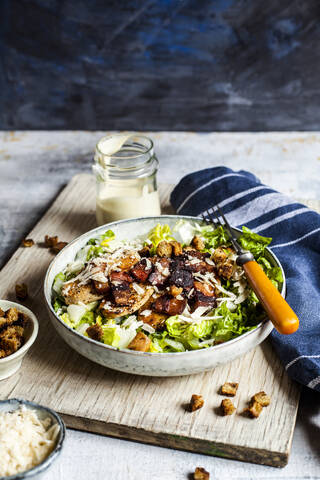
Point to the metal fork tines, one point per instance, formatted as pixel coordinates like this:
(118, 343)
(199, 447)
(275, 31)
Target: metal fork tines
(225, 224)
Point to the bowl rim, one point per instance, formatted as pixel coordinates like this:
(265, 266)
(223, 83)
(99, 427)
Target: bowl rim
(25, 347)
(124, 351)
(55, 452)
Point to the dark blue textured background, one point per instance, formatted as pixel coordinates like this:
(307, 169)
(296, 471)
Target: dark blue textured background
(160, 64)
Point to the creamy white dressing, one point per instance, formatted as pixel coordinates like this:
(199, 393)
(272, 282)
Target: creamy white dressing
(121, 195)
(117, 203)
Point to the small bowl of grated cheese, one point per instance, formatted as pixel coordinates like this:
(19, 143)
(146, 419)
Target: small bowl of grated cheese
(31, 438)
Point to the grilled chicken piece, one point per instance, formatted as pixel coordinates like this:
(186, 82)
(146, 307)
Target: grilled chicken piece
(72, 292)
(123, 294)
(127, 262)
(181, 278)
(141, 270)
(161, 271)
(146, 315)
(118, 277)
(145, 251)
(111, 310)
(169, 306)
(203, 296)
(140, 343)
(198, 261)
(102, 288)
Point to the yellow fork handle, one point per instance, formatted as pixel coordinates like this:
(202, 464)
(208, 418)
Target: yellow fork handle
(279, 311)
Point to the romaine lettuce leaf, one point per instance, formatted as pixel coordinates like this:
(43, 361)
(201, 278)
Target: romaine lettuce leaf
(157, 235)
(59, 280)
(253, 242)
(107, 237)
(215, 238)
(232, 324)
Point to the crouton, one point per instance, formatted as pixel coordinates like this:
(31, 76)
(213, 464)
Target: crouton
(261, 398)
(254, 409)
(220, 255)
(12, 315)
(227, 407)
(11, 333)
(95, 332)
(27, 242)
(164, 249)
(196, 402)
(72, 293)
(140, 343)
(225, 269)
(11, 339)
(21, 291)
(58, 247)
(11, 344)
(2, 313)
(175, 291)
(229, 389)
(201, 474)
(176, 248)
(50, 242)
(198, 243)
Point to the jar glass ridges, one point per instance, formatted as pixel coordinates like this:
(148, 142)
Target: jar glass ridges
(125, 169)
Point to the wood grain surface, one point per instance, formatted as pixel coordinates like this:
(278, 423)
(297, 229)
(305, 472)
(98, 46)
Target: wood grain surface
(151, 410)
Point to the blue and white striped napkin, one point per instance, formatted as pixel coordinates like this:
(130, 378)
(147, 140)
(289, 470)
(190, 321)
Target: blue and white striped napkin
(295, 230)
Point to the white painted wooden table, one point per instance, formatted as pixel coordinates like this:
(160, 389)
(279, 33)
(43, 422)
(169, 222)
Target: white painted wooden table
(33, 168)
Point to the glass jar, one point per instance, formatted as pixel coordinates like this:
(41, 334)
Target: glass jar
(125, 169)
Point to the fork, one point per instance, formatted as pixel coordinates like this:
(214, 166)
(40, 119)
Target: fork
(278, 310)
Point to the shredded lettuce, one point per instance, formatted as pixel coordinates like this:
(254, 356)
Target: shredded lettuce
(232, 324)
(65, 317)
(228, 320)
(157, 235)
(111, 335)
(57, 304)
(215, 238)
(188, 333)
(253, 242)
(107, 237)
(58, 282)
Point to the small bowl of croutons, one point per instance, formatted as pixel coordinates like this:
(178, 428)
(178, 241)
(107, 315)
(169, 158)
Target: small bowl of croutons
(18, 330)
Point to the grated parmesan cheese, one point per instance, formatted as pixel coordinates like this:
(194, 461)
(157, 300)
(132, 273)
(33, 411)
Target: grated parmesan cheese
(25, 440)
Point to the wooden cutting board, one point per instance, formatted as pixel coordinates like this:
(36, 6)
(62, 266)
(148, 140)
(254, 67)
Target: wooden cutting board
(146, 409)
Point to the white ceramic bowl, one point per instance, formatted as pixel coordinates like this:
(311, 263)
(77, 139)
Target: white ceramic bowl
(147, 363)
(42, 413)
(11, 364)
